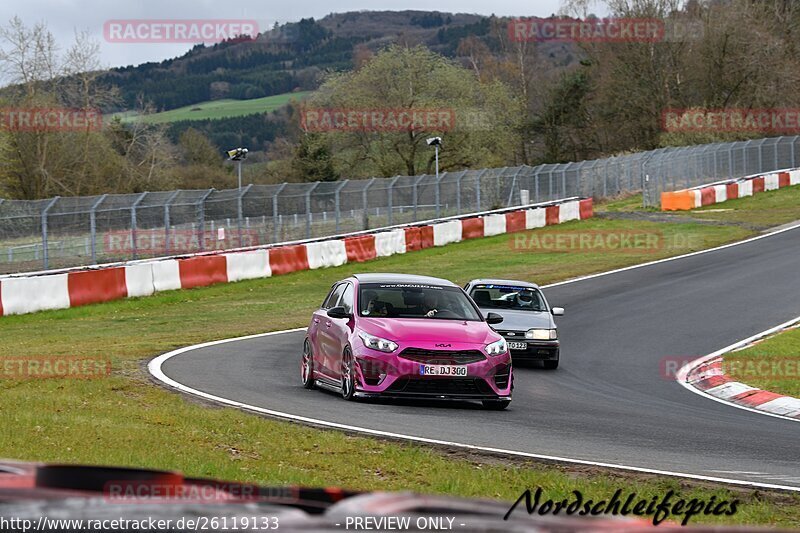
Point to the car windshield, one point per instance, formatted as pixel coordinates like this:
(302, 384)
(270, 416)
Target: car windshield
(508, 297)
(411, 300)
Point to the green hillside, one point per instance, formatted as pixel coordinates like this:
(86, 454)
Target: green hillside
(216, 109)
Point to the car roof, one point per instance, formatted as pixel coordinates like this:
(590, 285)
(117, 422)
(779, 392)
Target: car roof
(492, 281)
(402, 278)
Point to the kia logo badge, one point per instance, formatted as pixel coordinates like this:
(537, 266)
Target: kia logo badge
(443, 345)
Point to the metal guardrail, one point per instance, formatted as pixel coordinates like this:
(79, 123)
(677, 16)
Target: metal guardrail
(72, 231)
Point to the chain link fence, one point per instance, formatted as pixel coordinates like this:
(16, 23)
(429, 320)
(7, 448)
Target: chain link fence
(64, 232)
(671, 169)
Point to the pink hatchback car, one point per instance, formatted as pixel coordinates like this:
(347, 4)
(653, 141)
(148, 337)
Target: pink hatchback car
(397, 335)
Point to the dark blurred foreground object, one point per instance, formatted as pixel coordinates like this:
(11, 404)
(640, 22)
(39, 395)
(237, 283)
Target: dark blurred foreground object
(29, 491)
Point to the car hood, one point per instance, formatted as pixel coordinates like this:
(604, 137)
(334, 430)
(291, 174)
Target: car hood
(429, 330)
(520, 320)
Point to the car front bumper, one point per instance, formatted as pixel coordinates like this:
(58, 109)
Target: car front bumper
(537, 351)
(393, 376)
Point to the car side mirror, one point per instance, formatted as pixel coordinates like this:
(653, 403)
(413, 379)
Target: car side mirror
(558, 311)
(493, 318)
(338, 312)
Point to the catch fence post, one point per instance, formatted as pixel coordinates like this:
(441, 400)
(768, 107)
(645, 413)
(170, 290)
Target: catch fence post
(201, 221)
(240, 207)
(308, 209)
(45, 257)
(166, 220)
(365, 203)
(390, 198)
(275, 217)
(337, 203)
(134, 223)
(93, 226)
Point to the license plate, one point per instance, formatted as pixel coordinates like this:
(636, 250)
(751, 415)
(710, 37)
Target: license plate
(442, 370)
(517, 345)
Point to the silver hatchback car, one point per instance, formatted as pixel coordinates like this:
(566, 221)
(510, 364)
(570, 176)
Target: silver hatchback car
(528, 324)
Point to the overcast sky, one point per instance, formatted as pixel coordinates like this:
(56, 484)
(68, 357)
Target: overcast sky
(64, 17)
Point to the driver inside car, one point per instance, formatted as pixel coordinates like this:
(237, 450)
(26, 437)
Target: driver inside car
(524, 299)
(375, 307)
(430, 304)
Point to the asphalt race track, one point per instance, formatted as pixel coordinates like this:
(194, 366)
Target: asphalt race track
(608, 402)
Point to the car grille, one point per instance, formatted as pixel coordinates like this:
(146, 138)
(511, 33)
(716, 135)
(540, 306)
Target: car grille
(440, 386)
(442, 357)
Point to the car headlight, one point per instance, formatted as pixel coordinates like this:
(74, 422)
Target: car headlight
(542, 334)
(377, 343)
(497, 348)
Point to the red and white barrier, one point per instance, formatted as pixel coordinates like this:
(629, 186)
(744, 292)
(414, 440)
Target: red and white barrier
(472, 228)
(360, 249)
(62, 289)
(720, 193)
(139, 279)
(326, 254)
(166, 275)
(248, 265)
(446, 233)
(390, 243)
(203, 270)
(569, 211)
(494, 225)
(745, 188)
(729, 190)
(96, 286)
(40, 293)
(515, 221)
(535, 218)
(771, 182)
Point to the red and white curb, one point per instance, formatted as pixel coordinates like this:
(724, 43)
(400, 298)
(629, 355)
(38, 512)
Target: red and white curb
(706, 377)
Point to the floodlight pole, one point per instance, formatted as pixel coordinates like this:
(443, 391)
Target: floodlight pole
(438, 200)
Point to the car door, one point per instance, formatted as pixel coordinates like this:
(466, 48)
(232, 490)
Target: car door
(323, 341)
(339, 330)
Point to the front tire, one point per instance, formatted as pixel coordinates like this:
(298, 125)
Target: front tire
(348, 375)
(307, 366)
(496, 405)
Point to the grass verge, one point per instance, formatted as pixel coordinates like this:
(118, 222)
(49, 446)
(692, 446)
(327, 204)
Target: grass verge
(772, 365)
(124, 420)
